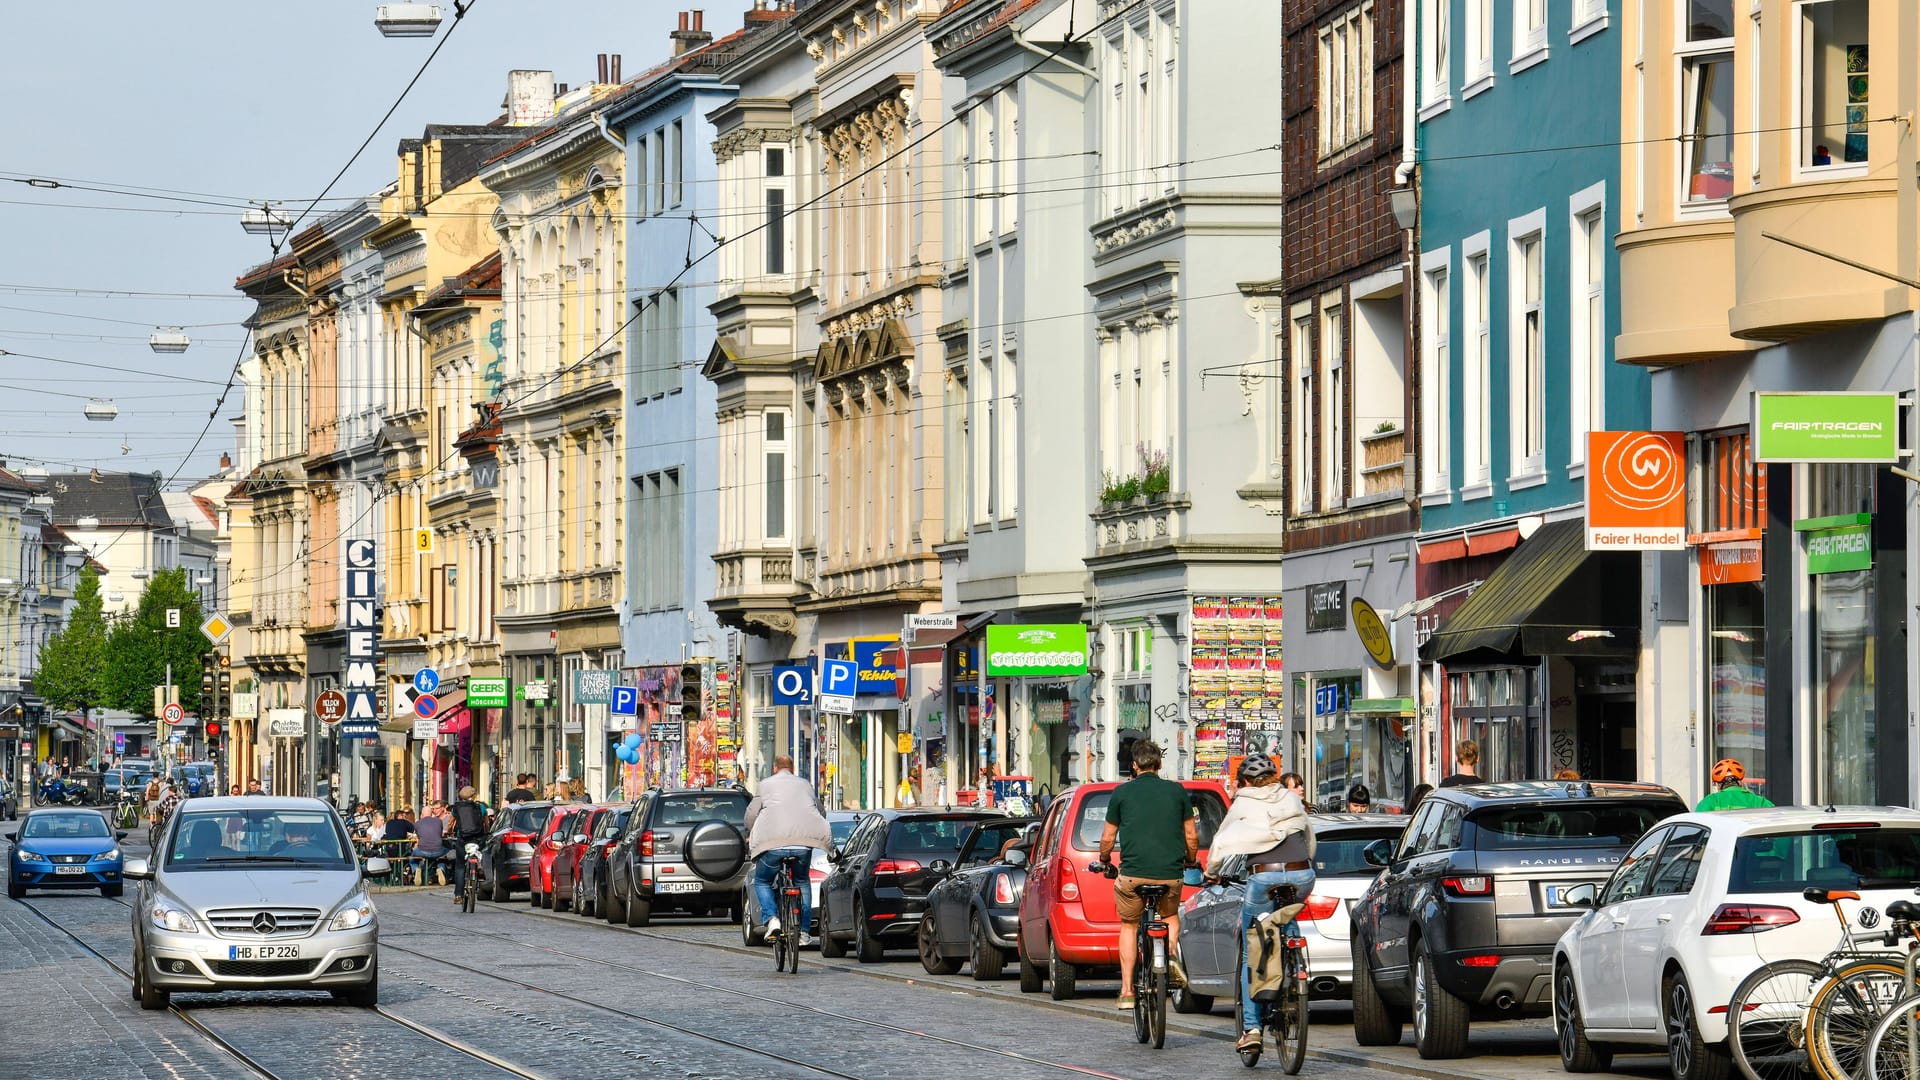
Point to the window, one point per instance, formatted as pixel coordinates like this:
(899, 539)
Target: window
(1629, 881)
(774, 454)
(1844, 643)
(1529, 30)
(1585, 14)
(1332, 427)
(659, 195)
(679, 164)
(1479, 43)
(1436, 43)
(1009, 436)
(1587, 322)
(660, 521)
(777, 189)
(1706, 85)
(1864, 857)
(1436, 441)
(640, 181)
(1526, 361)
(1476, 386)
(1834, 82)
(1346, 80)
(1303, 385)
(1679, 862)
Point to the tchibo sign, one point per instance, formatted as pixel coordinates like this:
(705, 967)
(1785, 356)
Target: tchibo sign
(362, 682)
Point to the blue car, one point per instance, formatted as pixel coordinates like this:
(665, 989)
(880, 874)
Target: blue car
(64, 848)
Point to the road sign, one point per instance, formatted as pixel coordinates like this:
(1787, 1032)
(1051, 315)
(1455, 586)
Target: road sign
(792, 684)
(173, 713)
(624, 701)
(216, 628)
(425, 706)
(487, 693)
(672, 731)
(840, 677)
(423, 541)
(426, 680)
(426, 729)
(173, 618)
(330, 706)
(939, 620)
(837, 703)
(286, 723)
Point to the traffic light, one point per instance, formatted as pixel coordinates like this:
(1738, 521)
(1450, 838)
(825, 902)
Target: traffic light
(223, 686)
(213, 738)
(206, 681)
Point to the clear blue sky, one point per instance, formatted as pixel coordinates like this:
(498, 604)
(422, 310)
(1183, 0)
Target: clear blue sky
(255, 100)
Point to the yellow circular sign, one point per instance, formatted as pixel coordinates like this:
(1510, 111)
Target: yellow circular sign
(1373, 632)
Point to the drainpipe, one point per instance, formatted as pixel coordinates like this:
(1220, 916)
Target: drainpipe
(600, 121)
(1053, 56)
(1408, 74)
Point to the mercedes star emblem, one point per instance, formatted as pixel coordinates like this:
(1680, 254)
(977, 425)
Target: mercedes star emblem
(265, 923)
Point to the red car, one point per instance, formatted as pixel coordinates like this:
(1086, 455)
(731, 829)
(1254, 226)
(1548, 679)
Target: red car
(1068, 926)
(546, 848)
(565, 872)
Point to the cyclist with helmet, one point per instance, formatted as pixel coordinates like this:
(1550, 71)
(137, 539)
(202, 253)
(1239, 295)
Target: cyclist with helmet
(1730, 789)
(1267, 824)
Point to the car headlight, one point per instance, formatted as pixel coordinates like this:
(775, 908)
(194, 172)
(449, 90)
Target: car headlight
(108, 855)
(30, 856)
(168, 917)
(354, 914)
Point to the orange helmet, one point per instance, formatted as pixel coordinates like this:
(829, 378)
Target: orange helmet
(1728, 770)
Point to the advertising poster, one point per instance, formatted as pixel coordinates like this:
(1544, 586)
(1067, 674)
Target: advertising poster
(1235, 680)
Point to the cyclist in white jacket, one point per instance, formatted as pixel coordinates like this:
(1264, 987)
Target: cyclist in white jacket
(1268, 824)
(783, 820)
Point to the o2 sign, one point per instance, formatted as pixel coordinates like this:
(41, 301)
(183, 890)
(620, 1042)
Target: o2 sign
(792, 684)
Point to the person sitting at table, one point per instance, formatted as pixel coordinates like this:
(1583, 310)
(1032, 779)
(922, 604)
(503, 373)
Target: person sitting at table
(376, 822)
(400, 826)
(430, 842)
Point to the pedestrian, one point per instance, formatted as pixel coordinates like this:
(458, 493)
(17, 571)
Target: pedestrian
(1293, 782)
(1359, 800)
(153, 796)
(1420, 792)
(254, 788)
(577, 791)
(522, 788)
(235, 790)
(400, 826)
(1567, 774)
(1466, 765)
(1730, 783)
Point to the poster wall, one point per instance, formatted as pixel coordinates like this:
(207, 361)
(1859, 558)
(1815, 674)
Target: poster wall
(1235, 681)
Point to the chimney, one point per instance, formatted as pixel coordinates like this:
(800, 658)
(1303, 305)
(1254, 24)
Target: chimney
(686, 39)
(614, 70)
(601, 69)
(529, 97)
(226, 462)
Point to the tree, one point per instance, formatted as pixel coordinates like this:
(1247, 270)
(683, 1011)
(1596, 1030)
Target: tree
(140, 648)
(72, 661)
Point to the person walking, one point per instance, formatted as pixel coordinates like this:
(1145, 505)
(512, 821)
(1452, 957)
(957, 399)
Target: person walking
(1466, 765)
(1730, 789)
(784, 819)
(1268, 824)
(522, 788)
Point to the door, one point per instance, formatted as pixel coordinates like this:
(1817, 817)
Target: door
(1043, 878)
(1390, 899)
(1602, 944)
(1650, 920)
(838, 890)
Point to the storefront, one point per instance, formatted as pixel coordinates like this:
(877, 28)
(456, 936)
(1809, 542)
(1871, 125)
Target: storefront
(867, 754)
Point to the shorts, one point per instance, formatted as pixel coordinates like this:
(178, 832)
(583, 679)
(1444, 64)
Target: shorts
(1129, 906)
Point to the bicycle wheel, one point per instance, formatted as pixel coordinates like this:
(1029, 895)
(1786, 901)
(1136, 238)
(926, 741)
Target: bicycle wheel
(1767, 1020)
(1157, 995)
(1844, 1010)
(1142, 993)
(1893, 1050)
(466, 897)
(1290, 1018)
(780, 948)
(798, 921)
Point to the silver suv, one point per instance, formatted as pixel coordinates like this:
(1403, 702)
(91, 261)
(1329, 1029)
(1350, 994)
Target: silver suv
(684, 849)
(253, 893)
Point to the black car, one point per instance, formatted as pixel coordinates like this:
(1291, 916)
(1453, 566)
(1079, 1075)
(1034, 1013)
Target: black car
(973, 914)
(590, 891)
(682, 849)
(508, 851)
(1462, 923)
(877, 890)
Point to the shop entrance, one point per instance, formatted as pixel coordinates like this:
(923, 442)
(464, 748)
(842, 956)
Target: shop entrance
(1605, 723)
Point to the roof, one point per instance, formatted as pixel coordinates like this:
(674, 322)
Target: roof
(1753, 819)
(210, 803)
(1552, 597)
(118, 499)
(1548, 790)
(12, 481)
(481, 279)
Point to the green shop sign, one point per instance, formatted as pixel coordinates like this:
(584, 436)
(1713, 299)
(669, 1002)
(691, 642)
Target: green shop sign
(1046, 651)
(1818, 427)
(1837, 545)
(487, 693)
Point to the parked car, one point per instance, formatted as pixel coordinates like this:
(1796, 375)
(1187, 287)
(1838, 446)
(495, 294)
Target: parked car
(877, 890)
(590, 877)
(753, 924)
(973, 911)
(507, 853)
(578, 837)
(64, 848)
(1212, 946)
(553, 835)
(1068, 926)
(195, 779)
(1462, 923)
(252, 893)
(1698, 904)
(682, 850)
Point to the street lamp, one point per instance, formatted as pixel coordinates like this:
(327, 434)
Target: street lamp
(266, 220)
(169, 339)
(407, 20)
(101, 409)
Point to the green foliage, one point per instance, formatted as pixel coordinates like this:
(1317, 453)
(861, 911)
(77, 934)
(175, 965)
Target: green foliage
(1154, 478)
(72, 661)
(140, 648)
(1118, 489)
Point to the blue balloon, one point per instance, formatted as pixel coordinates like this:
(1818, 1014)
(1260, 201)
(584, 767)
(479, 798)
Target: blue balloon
(628, 755)
(631, 741)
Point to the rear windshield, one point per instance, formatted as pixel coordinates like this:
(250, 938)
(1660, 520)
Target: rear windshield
(929, 835)
(1874, 858)
(530, 818)
(1613, 824)
(694, 809)
(1093, 817)
(1339, 856)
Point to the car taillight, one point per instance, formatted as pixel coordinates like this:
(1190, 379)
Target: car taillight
(816, 874)
(894, 866)
(646, 842)
(1487, 960)
(1319, 907)
(1069, 881)
(1002, 889)
(1471, 885)
(516, 838)
(1748, 919)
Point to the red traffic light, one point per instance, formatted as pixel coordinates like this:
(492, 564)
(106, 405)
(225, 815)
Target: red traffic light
(213, 729)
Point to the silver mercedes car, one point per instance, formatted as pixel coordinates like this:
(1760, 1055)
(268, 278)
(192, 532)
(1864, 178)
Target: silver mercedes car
(253, 893)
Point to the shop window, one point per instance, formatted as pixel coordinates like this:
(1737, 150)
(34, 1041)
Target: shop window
(1737, 677)
(1843, 643)
(1834, 82)
(1500, 709)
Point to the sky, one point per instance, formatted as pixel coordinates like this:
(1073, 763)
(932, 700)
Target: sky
(205, 102)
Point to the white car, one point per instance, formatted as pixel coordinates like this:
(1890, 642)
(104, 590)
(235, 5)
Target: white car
(1701, 901)
(753, 925)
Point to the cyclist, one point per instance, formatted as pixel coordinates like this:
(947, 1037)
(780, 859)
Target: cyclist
(784, 819)
(1268, 824)
(1152, 821)
(1730, 789)
(469, 820)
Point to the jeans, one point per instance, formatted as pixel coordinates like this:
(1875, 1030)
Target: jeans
(1253, 1014)
(766, 866)
(460, 862)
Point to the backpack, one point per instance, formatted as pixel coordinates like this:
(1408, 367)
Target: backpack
(469, 819)
(1266, 939)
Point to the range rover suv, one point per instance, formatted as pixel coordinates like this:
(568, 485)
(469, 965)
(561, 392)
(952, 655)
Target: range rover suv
(1461, 924)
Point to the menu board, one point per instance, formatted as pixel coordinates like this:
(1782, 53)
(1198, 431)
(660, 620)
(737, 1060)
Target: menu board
(1235, 679)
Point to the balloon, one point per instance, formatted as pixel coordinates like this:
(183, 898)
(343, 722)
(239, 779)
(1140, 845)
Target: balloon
(631, 741)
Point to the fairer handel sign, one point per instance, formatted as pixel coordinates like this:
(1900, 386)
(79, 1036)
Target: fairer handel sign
(1826, 427)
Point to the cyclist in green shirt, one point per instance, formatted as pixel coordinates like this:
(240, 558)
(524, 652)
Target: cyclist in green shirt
(1152, 821)
(1730, 789)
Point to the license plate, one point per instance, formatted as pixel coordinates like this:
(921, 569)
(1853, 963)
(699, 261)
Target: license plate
(677, 886)
(263, 952)
(69, 869)
(1555, 892)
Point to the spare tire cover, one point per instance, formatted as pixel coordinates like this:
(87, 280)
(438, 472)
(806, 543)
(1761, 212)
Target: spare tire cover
(715, 850)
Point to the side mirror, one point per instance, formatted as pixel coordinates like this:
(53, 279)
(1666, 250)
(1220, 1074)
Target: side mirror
(834, 854)
(1016, 857)
(137, 869)
(580, 838)
(119, 834)
(941, 867)
(376, 866)
(1378, 853)
(1583, 895)
(15, 835)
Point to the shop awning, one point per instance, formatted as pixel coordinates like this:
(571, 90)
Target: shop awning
(1552, 597)
(1385, 706)
(455, 720)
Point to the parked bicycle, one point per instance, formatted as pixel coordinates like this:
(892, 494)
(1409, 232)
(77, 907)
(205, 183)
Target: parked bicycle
(1893, 1047)
(787, 883)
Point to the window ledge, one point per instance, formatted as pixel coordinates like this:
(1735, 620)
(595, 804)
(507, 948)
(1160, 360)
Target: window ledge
(1702, 208)
(1577, 470)
(1439, 497)
(1589, 28)
(1523, 61)
(1526, 480)
(1435, 107)
(1839, 170)
(1480, 490)
(1479, 84)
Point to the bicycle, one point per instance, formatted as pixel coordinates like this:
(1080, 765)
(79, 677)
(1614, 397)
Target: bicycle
(786, 892)
(1150, 967)
(127, 815)
(1899, 1059)
(1286, 1014)
(471, 886)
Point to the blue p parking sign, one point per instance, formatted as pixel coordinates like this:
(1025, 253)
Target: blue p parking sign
(792, 684)
(624, 701)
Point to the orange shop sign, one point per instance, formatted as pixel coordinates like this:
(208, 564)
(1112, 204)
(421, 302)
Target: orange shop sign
(1730, 563)
(1636, 491)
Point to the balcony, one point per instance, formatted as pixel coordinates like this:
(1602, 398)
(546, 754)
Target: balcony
(845, 584)
(1782, 293)
(1383, 465)
(1676, 286)
(753, 590)
(1142, 523)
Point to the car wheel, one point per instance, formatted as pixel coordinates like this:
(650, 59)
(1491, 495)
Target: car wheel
(1060, 974)
(1439, 1018)
(152, 998)
(139, 965)
(737, 912)
(14, 891)
(983, 956)
(498, 879)
(364, 996)
(1032, 979)
(1577, 1055)
(587, 904)
(867, 948)
(615, 908)
(751, 935)
(111, 891)
(1374, 1022)
(830, 947)
(930, 956)
(1186, 1001)
(639, 912)
(1689, 1056)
